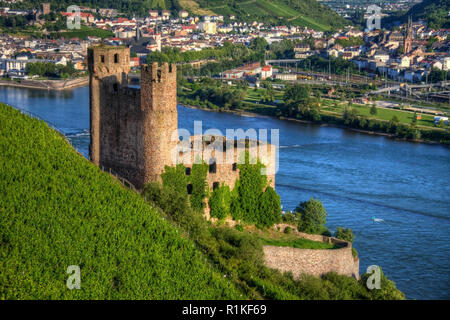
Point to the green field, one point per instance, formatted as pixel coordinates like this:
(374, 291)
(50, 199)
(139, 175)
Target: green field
(257, 95)
(58, 210)
(405, 117)
(329, 106)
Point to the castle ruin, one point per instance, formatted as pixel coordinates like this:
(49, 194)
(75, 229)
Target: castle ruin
(134, 131)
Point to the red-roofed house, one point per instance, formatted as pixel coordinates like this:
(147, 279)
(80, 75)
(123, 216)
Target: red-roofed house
(266, 72)
(84, 16)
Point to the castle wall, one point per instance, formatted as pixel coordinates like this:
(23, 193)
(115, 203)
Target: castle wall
(134, 131)
(121, 119)
(227, 170)
(314, 262)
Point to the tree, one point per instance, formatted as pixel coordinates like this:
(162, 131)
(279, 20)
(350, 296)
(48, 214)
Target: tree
(350, 116)
(270, 208)
(259, 44)
(220, 202)
(373, 110)
(344, 234)
(270, 93)
(297, 94)
(312, 216)
(414, 119)
(157, 57)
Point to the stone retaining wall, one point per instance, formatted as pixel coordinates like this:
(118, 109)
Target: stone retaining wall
(314, 262)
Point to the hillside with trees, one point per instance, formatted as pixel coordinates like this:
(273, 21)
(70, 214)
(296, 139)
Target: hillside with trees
(308, 13)
(434, 12)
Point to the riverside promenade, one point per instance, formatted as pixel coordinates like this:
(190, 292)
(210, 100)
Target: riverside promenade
(47, 84)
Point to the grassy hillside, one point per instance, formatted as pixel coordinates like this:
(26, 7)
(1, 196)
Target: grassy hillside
(435, 12)
(57, 210)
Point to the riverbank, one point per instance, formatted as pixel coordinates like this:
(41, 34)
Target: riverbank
(321, 124)
(47, 84)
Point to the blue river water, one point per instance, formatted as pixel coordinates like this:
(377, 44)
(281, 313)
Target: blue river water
(356, 176)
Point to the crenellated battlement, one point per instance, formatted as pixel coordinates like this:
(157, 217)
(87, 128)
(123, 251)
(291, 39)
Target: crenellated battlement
(151, 73)
(106, 60)
(131, 127)
(134, 131)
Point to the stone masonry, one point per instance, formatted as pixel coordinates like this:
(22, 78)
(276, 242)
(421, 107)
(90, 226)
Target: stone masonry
(314, 262)
(134, 131)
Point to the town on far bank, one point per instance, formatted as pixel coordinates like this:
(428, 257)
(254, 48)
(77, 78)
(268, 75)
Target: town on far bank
(391, 80)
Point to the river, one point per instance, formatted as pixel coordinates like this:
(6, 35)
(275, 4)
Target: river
(356, 176)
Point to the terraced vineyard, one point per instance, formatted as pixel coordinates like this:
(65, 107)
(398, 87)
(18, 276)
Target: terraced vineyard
(307, 13)
(57, 210)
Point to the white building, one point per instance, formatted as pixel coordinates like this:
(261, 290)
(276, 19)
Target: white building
(286, 76)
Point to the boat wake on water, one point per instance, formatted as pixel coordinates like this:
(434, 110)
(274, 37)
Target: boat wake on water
(294, 146)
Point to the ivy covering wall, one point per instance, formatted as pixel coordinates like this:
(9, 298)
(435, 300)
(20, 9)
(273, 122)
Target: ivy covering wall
(199, 185)
(251, 201)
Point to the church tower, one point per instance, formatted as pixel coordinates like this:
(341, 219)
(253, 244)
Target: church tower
(408, 37)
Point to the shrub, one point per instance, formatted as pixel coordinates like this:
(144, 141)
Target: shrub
(270, 208)
(387, 291)
(289, 218)
(175, 179)
(344, 234)
(199, 186)
(220, 202)
(312, 216)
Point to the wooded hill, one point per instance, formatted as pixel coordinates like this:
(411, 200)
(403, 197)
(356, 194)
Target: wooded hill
(307, 13)
(434, 12)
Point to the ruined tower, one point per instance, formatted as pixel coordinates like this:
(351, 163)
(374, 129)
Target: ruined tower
(159, 107)
(131, 128)
(134, 130)
(108, 68)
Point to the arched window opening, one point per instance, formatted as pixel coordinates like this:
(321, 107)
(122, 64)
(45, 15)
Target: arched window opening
(116, 58)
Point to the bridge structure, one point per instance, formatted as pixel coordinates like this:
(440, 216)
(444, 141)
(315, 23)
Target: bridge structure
(285, 61)
(417, 91)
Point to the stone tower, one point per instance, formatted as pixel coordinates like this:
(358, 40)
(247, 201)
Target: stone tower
(159, 106)
(133, 130)
(108, 68)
